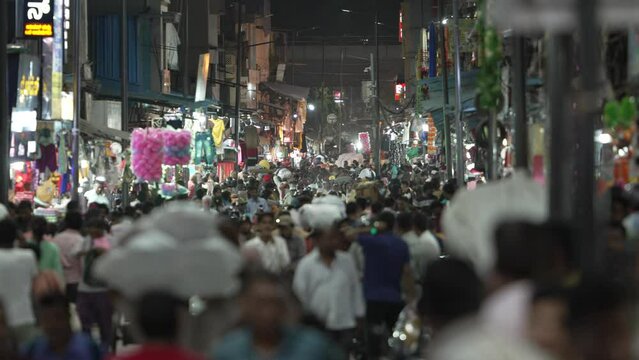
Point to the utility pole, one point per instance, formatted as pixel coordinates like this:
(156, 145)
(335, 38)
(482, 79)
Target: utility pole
(444, 57)
(519, 102)
(5, 119)
(322, 101)
(77, 100)
(124, 86)
(459, 126)
(377, 144)
(588, 113)
(185, 76)
(293, 59)
(238, 74)
(341, 89)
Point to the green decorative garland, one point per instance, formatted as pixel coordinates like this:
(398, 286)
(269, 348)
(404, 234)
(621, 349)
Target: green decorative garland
(490, 57)
(620, 114)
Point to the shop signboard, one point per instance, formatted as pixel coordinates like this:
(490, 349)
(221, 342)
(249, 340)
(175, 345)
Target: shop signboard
(28, 82)
(37, 18)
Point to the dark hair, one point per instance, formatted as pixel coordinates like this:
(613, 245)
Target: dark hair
(260, 217)
(251, 276)
(73, 221)
(25, 205)
(39, 227)
(421, 221)
(53, 299)
(200, 193)
(73, 206)
(158, 315)
(96, 223)
(352, 208)
(452, 290)
(387, 218)
(594, 297)
(9, 232)
(515, 255)
(377, 208)
(405, 221)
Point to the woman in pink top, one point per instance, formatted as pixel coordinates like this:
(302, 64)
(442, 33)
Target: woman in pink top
(67, 240)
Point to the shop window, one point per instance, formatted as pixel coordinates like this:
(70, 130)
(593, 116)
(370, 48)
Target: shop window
(107, 47)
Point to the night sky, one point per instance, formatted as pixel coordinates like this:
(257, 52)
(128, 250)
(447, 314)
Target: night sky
(303, 14)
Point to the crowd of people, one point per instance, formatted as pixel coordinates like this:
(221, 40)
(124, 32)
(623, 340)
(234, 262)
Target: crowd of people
(338, 263)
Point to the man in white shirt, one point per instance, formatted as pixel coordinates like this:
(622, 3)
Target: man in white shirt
(271, 250)
(423, 246)
(328, 285)
(17, 269)
(97, 195)
(256, 205)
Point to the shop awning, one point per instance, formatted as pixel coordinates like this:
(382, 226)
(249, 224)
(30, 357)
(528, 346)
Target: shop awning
(149, 97)
(292, 91)
(102, 131)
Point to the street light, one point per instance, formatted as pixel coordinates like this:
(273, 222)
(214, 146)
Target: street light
(311, 107)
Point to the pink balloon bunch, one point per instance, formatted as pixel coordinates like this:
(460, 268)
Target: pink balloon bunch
(147, 154)
(177, 147)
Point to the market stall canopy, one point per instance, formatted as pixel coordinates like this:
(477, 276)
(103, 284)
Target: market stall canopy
(97, 130)
(292, 91)
(150, 97)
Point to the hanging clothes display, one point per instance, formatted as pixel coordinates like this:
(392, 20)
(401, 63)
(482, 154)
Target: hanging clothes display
(63, 160)
(218, 131)
(172, 41)
(48, 156)
(204, 151)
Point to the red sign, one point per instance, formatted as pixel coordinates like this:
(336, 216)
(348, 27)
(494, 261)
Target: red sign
(400, 91)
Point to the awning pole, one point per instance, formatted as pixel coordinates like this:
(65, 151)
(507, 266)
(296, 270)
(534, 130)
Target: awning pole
(459, 126)
(5, 118)
(77, 100)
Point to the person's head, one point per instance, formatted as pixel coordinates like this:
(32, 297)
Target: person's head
(252, 192)
(285, 225)
(451, 291)
(73, 206)
(217, 190)
(96, 227)
(39, 228)
(515, 258)
(265, 225)
(353, 211)
(328, 240)
(404, 223)
(157, 315)
(99, 185)
(377, 207)
(548, 321)
(25, 209)
(9, 232)
(55, 319)
(385, 222)
(263, 300)
(599, 320)
(73, 221)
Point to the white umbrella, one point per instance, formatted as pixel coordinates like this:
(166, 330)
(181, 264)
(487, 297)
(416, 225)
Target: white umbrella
(177, 249)
(473, 216)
